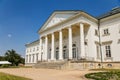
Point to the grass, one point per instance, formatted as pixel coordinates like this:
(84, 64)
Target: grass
(4, 76)
(108, 74)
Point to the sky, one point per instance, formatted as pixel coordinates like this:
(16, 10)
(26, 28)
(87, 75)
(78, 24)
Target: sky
(21, 19)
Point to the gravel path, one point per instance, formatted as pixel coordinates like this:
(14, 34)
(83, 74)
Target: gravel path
(47, 74)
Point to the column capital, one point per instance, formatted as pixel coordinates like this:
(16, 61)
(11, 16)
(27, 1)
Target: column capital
(69, 27)
(60, 30)
(81, 22)
(46, 35)
(52, 33)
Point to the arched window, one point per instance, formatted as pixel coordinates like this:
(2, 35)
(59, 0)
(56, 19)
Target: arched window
(57, 48)
(109, 65)
(65, 47)
(74, 45)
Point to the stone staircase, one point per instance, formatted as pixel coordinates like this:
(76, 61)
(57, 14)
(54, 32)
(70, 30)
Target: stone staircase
(51, 65)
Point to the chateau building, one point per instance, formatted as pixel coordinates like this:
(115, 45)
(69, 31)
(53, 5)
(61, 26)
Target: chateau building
(76, 35)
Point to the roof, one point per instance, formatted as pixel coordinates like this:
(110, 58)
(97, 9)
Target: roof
(65, 11)
(4, 62)
(32, 42)
(114, 11)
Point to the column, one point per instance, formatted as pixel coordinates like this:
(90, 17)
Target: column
(70, 42)
(46, 47)
(82, 46)
(26, 59)
(52, 47)
(35, 58)
(60, 46)
(40, 50)
(31, 58)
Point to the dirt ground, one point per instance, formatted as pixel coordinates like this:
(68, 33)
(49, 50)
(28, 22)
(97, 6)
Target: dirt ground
(47, 74)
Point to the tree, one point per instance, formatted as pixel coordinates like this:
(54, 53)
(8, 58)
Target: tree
(2, 58)
(13, 57)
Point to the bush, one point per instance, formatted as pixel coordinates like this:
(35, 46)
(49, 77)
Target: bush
(4, 66)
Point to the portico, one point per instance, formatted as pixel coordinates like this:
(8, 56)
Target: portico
(63, 45)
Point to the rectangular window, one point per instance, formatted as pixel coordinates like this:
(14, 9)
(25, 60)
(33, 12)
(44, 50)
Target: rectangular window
(96, 32)
(33, 49)
(98, 51)
(106, 32)
(118, 41)
(108, 51)
(26, 58)
(30, 50)
(37, 48)
(119, 29)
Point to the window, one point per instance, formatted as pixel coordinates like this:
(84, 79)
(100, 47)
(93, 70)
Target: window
(98, 51)
(37, 48)
(33, 58)
(57, 53)
(74, 45)
(74, 53)
(27, 51)
(96, 32)
(33, 49)
(108, 51)
(118, 41)
(26, 58)
(119, 28)
(106, 31)
(30, 50)
(109, 65)
(86, 42)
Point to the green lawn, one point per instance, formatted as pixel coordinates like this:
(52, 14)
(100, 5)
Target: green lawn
(4, 76)
(106, 75)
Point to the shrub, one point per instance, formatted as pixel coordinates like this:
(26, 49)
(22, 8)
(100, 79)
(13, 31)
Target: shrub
(4, 66)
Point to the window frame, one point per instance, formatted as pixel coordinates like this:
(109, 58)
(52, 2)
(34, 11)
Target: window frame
(108, 51)
(106, 32)
(96, 32)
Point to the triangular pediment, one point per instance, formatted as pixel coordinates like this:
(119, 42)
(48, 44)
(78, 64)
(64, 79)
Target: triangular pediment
(58, 17)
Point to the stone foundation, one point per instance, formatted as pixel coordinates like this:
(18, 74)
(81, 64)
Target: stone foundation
(93, 65)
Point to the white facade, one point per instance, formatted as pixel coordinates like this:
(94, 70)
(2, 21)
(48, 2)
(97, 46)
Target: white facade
(32, 52)
(75, 35)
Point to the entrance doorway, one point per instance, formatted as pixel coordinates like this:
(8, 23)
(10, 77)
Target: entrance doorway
(74, 51)
(57, 53)
(65, 52)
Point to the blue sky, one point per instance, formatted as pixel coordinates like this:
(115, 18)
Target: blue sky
(21, 19)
